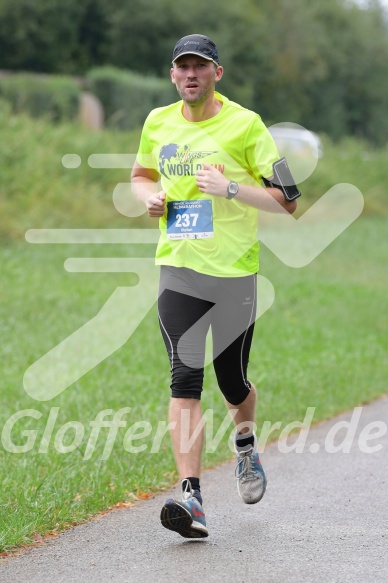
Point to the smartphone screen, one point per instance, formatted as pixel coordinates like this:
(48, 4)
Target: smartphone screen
(283, 177)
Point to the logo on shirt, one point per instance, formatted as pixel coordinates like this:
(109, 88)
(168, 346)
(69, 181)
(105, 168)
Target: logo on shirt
(176, 160)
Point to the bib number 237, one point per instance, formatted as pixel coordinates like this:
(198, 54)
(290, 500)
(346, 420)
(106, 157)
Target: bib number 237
(186, 220)
(190, 219)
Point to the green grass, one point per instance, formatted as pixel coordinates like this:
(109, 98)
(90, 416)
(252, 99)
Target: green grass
(37, 191)
(349, 161)
(322, 344)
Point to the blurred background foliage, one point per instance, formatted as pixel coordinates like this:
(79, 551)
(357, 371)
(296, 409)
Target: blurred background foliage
(320, 64)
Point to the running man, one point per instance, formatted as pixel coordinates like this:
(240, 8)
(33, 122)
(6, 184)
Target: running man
(199, 170)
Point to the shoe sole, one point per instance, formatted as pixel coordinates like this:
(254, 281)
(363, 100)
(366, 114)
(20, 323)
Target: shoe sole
(176, 518)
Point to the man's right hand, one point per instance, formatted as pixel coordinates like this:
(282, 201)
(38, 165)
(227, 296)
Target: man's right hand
(156, 204)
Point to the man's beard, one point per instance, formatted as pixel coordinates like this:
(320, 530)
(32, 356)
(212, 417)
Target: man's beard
(199, 98)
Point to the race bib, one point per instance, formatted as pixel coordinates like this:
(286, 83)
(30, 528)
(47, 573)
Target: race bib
(190, 219)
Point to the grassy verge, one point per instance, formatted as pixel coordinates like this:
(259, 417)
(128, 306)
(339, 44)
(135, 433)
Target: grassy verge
(322, 345)
(36, 191)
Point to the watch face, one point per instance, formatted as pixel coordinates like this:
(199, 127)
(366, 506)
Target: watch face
(233, 188)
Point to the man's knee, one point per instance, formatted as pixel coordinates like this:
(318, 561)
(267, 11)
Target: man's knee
(236, 395)
(180, 394)
(187, 383)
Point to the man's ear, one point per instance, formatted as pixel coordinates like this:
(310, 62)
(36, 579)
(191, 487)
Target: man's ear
(219, 73)
(172, 73)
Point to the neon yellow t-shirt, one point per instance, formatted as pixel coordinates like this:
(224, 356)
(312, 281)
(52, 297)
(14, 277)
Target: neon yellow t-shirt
(238, 144)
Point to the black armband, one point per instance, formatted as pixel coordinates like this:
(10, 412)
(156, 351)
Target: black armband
(283, 180)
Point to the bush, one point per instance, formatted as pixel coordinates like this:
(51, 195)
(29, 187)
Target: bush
(128, 97)
(55, 97)
(37, 191)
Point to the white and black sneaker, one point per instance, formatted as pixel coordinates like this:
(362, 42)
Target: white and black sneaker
(186, 516)
(251, 479)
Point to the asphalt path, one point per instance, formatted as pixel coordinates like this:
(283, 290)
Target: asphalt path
(323, 518)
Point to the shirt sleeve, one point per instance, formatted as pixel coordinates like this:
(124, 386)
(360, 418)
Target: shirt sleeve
(145, 155)
(261, 150)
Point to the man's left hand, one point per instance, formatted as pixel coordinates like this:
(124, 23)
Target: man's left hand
(211, 181)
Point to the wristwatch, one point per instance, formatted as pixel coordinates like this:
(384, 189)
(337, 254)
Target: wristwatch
(232, 190)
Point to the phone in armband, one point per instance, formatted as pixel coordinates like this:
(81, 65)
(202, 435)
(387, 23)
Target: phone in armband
(283, 180)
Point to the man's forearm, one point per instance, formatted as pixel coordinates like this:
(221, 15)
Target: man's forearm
(143, 188)
(211, 181)
(147, 191)
(266, 199)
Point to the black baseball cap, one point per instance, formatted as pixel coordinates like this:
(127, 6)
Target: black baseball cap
(196, 44)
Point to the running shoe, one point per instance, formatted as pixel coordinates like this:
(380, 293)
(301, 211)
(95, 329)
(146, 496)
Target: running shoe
(186, 516)
(251, 480)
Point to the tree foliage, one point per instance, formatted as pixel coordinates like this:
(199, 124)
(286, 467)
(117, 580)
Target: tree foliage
(51, 36)
(128, 97)
(320, 64)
